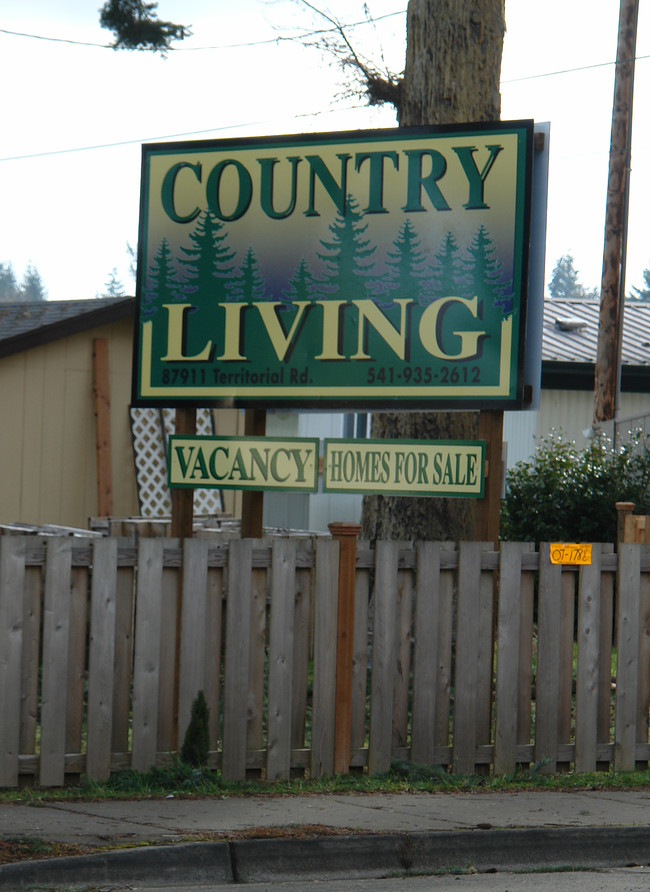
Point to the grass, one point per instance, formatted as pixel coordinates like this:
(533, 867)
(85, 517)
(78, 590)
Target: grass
(180, 781)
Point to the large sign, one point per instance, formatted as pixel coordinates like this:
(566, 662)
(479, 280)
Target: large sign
(368, 269)
(405, 467)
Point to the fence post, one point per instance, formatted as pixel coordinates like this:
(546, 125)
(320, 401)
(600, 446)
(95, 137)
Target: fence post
(623, 510)
(346, 535)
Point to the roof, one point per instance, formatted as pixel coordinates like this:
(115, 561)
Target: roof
(571, 332)
(27, 325)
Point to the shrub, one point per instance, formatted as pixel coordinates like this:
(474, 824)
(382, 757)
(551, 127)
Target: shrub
(569, 494)
(196, 744)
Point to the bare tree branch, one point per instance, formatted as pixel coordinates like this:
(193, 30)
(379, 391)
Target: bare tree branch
(375, 85)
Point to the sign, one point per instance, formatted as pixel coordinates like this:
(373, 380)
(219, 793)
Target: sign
(243, 463)
(570, 553)
(373, 269)
(405, 467)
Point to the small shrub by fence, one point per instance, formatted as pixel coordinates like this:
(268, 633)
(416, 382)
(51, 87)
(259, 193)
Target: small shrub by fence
(469, 658)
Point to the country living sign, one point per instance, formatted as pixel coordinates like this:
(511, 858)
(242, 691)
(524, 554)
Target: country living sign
(363, 269)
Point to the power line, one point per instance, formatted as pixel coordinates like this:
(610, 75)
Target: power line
(168, 137)
(193, 49)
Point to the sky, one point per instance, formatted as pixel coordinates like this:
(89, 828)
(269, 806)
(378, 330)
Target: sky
(76, 114)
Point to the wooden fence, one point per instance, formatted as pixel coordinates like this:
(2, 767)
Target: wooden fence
(91, 633)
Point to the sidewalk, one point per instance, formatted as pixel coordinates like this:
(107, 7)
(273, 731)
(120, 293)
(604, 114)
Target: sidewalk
(333, 835)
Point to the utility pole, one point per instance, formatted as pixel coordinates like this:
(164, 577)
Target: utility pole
(612, 292)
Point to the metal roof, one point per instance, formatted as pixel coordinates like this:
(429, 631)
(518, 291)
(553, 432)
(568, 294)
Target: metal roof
(571, 332)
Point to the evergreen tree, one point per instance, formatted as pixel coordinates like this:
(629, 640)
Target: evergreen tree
(208, 264)
(484, 272)
(196, 743)
(113, 286)
(301, 284)
(135, 25)
(642, 294)
(249, 285)
(8, 286)
(406, 264)
(347, 255)
(446, 275)
(565, 284)
(32, 288)
(162, 284)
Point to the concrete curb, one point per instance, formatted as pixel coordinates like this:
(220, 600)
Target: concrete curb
(358, 856)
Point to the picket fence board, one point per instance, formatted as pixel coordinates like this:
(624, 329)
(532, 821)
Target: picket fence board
(565, 694)
(256, 664)
(12, 576)
(508, 677)
(302, 649)
(425, 655)
(147, 653)
(384, 647)
(124, 614)
(238, 615)
(54, 698)
(627, 641)
(548, 661)
(324, 683)
(444, 668)
(643, 696)
(469, 693)
(101, 659)
(606, 626)
(283, 584)
(77, 658)
(526, 637)
(213, 624)
(358, 729)
(403, 627)
(191, 678)
(485, 656)
(588, 662)
(170, 597)
(30, 668)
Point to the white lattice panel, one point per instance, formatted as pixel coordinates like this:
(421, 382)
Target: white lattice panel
(150, 430)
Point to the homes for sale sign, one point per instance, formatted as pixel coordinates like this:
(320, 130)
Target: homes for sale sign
(384, 268)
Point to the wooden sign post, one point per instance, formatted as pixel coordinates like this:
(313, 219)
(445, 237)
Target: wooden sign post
(252, 512)
(346, 535)
(183, 499)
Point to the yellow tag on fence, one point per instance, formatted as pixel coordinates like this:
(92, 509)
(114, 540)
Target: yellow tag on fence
(570, 553)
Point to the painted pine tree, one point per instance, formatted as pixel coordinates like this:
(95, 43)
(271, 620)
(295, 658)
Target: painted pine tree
(485, 273)
(248, 286)
(207, 263)
(301, 284)
(162, 283)
(405, 264)
(346, 255)
(446, 274)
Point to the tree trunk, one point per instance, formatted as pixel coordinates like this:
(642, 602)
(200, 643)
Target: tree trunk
(453, 66)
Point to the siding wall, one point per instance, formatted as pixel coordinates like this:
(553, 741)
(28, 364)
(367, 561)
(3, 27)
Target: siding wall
(570, 410)
(48, 470)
